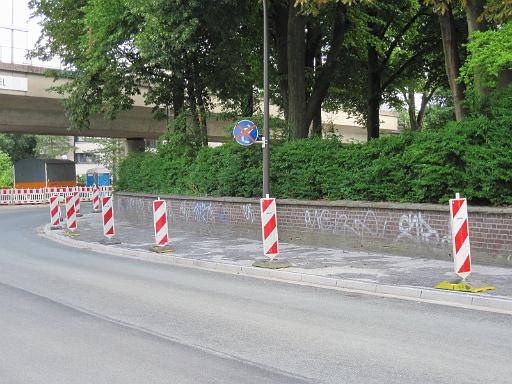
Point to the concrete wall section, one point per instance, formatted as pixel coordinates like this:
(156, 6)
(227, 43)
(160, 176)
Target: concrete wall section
(407, 229)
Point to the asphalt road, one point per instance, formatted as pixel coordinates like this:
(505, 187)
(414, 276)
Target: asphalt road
(71, 316)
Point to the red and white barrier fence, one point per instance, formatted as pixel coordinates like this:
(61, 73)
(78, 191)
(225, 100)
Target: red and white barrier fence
(29, 196)
(106, 191)
(5, 196)
(460, 236)
(108, 217)
(15, 196)
(160, 222)
(269, 227)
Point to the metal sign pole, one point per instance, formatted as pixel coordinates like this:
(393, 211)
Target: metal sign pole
(12, 32)
(266, 128)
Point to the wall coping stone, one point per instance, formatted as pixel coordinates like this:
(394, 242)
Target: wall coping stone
(329, 203)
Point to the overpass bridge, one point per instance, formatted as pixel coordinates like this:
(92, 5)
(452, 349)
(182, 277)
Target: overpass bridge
(27, 106)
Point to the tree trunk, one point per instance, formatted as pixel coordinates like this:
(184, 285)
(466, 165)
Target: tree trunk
(452, 61)
(248, 102)
(504, 79)
(313, 64)
(327, 69)
(178, 97)
(279, 15)
(192, 104)
(296, 51)
(411, 109)
(202, 122)
(474, 9)
(317, 124)
(200, 101)
(374, 94)
(425, 99)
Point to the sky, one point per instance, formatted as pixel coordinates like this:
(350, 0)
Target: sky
(18, 32)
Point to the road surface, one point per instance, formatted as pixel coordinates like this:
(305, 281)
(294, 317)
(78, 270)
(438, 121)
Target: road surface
(72, 316)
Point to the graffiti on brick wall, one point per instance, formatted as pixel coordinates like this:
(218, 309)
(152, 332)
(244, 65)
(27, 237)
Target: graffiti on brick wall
(202, 212)
(336, 222)
(413, 226)
(248, 213)
(184, 211)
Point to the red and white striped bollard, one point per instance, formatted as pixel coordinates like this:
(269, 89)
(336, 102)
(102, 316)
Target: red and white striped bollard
(108, 217)
(160, 223)
(460, 236)
(55, 213)
(95, 199)
(76, 196)
(71, 223)
(269, 227)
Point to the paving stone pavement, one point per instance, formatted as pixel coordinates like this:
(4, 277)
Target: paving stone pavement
(225, 246)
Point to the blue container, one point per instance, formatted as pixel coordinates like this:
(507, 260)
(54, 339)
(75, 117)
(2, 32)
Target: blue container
(103, 179)
(89, 180)
(98, 176)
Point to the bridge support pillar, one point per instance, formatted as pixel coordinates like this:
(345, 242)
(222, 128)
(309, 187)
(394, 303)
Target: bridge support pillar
(135, 145)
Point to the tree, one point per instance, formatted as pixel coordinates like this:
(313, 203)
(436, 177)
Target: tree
(490, 57)
(305, 63)
(452, 37)
(390, 50)
(110, 153)
(425, 82)
(6, 170)
(53, 146)
(177, 53)
(480, 16)
(18, 146)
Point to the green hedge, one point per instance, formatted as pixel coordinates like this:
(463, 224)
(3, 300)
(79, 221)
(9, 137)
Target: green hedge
(473, 157)
(5, 170)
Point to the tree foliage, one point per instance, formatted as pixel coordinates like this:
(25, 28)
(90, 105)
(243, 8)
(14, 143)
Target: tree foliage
(18, 146)
(189, 56)
(6, 170)
(53, 146)
(490, 53)
(469, 157)
(110, 151)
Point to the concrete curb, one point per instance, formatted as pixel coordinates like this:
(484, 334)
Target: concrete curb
(498, 304)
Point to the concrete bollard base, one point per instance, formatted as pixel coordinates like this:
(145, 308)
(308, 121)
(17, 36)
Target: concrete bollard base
(55, 227)
(461, 285)
(272, 264)
(162, 249)
(109, 241)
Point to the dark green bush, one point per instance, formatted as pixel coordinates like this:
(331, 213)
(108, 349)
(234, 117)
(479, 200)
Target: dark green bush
(300, 169)
(473, 157)
(229, 170)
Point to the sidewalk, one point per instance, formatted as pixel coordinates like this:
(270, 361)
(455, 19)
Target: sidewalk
(363, 267)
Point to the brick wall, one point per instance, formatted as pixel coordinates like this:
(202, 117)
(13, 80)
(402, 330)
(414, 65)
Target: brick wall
(410, 229)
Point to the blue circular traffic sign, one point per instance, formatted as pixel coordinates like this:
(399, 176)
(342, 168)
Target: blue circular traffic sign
(245, 132)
